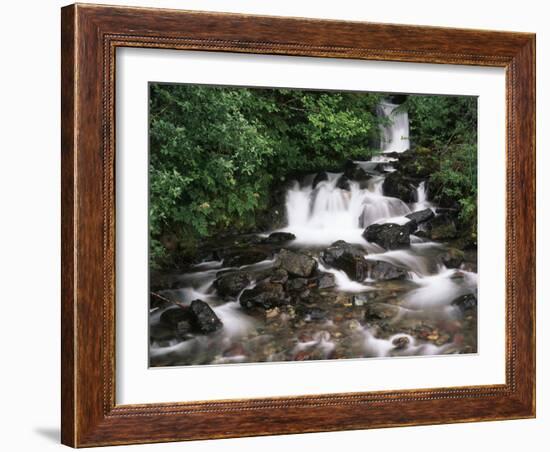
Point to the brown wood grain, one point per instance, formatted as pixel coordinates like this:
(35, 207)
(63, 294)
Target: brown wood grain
(90, 36)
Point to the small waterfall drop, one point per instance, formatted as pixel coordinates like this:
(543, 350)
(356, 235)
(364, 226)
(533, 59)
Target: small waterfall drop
(395, 136)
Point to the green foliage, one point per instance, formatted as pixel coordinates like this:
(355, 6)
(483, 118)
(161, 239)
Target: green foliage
(216, 153)
(447, 125)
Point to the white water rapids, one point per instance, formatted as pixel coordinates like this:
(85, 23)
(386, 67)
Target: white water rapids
(319, 216)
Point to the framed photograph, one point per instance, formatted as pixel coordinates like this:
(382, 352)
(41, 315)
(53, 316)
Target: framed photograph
(281, 225)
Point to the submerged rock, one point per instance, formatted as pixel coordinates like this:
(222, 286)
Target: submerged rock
(380, 311)
(265, 295)
(173, 315)
(466, 302)
(421, 216)
(390, 236)
(279, 237)
(380, 270)
(231, 284)
(297, 264)
(348, 258)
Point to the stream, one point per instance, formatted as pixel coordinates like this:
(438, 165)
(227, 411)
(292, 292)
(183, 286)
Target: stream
(353, 274)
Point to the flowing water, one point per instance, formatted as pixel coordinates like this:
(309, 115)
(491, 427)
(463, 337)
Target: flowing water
(417, 312)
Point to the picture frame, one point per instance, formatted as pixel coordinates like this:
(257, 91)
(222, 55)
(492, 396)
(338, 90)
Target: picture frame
(90, 37)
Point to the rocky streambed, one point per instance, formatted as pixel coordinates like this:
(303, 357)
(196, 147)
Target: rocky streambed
(365, 267)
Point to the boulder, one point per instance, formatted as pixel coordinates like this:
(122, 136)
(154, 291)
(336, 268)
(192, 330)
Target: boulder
(276, 238)
(319, 177)
(343, 183)
(296, 264)
(265, 295)
(246, 257)
(203, 318)
(279, 276)
(442, 227)
(354, 172)
(398, 186)
(348, 258)
(466, 302)
(453, 258)
(390, 236)
(421, 216)
(384, 271)
(231, 284)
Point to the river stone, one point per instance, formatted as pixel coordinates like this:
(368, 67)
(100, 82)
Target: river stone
(421, 216)
(453, 258)
(442, 227)
(246, 257)
(265, 295)
(348, 258)
(203, 318)
(390, 236)
(231, 284)
(296, 284)
(380, 311)
(380, 270)
(279, 276)
(326, 281)
(279, 237)
(465, 302)
(297, 264)
(312, 313)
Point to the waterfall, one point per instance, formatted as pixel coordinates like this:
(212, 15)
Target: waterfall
(325, 213)
(395, 136)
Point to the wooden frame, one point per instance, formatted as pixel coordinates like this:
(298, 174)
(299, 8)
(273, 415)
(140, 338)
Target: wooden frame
(90, 35)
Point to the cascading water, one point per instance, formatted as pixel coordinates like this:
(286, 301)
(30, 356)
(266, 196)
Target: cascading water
(394, 137)
(416, 313)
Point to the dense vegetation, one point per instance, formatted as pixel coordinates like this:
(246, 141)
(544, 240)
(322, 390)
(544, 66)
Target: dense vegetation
(218, 155)
(444, 132)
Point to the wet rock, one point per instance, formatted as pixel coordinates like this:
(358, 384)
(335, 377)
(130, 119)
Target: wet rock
(297, 264)
(279, 276)
(421, 216)
(265, 295)
(354, 172)
(401, 342)
(320, 177)
(453, 258)
(184, 329)
(380, 311)
(380, 270)
(326, 281)
(398, 186)
(296, 284)
(161, 332)
(246, 257)
(203, 318)
(343, 183)
(442, 227)
(172, 316)
(348, 258)
(231, 284)
(390, 236)
(466, 302)
(276, 238)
